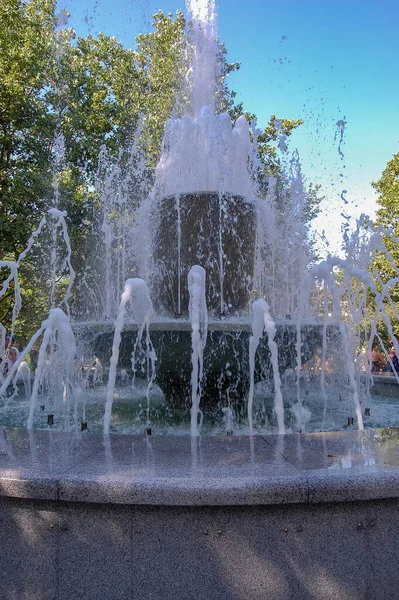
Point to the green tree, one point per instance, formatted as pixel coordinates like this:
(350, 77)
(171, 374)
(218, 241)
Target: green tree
(387, 261)
(162, 56)
(26, 124)
(385, 267)
(97, 94)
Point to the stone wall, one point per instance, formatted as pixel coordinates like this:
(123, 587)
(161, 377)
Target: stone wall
(71, 550)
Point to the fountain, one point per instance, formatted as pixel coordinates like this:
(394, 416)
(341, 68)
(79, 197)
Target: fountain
(210, 295)
(205, 209)
(225, 311)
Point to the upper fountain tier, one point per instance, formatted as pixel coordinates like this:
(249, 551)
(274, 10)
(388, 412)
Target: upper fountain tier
(206, 154)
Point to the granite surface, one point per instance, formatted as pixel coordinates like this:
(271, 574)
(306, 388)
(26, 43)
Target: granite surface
(293, 517)
(207, 471)
(28, 542)
(84, 551)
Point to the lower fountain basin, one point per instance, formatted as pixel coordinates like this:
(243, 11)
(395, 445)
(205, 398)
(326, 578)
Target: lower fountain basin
(226, 356)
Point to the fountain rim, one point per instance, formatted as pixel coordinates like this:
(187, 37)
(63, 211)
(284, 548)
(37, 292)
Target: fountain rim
(182, 485)
(184, 324)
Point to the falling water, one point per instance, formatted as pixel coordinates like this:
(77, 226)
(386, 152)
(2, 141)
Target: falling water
(55, 366)
(136, 292)
(206, 153)
(258, 325)
(262, 321)
(199, 326)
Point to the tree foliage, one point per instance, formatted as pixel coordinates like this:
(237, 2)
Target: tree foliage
(387, 262)
(162, 56)
(26, 122)
(385, 267)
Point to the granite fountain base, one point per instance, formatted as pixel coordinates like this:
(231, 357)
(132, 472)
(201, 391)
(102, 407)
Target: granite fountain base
(114, 517)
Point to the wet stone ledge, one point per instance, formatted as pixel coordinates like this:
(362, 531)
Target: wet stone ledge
(207, 471)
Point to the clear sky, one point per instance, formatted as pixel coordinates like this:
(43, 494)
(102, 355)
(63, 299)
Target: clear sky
(323, 61)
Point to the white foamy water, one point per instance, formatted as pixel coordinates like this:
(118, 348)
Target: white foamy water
(206, 154)
(199, 327)
(205, 67)
(55, 366)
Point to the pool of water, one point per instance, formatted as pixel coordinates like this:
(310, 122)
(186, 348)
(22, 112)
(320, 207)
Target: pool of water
(130, 410)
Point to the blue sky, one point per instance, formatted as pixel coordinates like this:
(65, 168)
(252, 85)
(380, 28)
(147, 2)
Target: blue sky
(320, 60)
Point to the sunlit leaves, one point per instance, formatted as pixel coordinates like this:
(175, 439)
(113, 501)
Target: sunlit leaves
(26, 126)
(387, 186)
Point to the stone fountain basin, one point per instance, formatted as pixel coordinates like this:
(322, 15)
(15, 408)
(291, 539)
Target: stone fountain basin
(226, 355)
(285, 517)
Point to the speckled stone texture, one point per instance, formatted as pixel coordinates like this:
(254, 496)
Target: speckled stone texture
(28, 550)
(330, 552)
(181, 471)
(337, 551)
(95, 552)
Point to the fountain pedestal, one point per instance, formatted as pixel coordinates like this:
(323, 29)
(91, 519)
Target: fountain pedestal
(216, 231)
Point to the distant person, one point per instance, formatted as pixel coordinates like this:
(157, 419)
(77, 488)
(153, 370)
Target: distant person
(378, 359)
(33, 358)
(11, 354)
(11, 350)
(394, 359)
